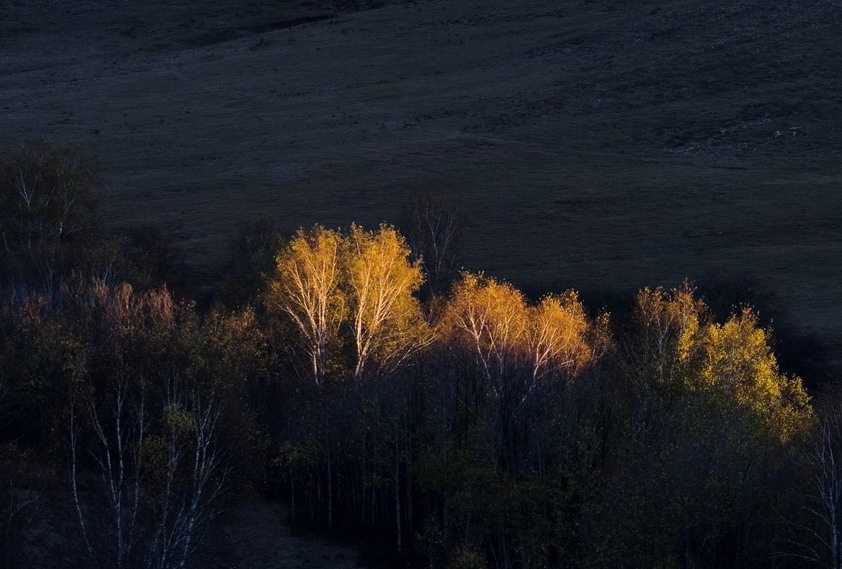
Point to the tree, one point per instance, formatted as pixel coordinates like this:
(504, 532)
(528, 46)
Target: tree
(306, 287)
(145, 417)
(494, 321)
(362, 283)
(558, 335)
(679, 348)
(385, 318)
(160, 477)
(664, 325)
(432, 227)
(737, 359)
(816, 534)
(47, 195)
(487, 318)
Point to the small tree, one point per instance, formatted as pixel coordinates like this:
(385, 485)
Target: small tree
(433, 230)
(815, 524)
(47, 195)
(557, 335)
(487, 318)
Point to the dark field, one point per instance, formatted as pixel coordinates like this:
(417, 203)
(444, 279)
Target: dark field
(598, 145)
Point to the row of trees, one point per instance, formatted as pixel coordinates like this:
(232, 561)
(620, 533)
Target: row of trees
(356, 376)
(541, 437)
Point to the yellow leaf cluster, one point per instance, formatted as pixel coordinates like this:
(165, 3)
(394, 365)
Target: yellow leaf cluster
(557, 334)
(735, 358)
(385, 316)
(306, 288)
(668, 315)
(494, 321)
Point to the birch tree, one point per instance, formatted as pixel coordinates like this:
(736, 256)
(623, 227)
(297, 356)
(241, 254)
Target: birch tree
(159, 480)
(385, 318)
(678, 346)
(494, 321)
(306, 289)
(557, 335)
(488, 318)
(111, 534)
(46, 195)
(432, 227)
(817, 537)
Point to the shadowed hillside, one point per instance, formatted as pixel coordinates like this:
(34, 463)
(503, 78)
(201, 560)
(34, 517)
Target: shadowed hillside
(611, 144)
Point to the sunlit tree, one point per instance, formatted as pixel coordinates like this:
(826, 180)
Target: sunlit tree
(679, 346)
(385, 318)
(307, 289)
(557, 335)
(493, 321)
(488, 318)
(666, 323)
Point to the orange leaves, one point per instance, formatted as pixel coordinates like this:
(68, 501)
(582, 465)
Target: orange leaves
(557, 335)
(486, 317)
(357, 290)
(126, 309)
(385, 316)
(494, 321)
(351, 298)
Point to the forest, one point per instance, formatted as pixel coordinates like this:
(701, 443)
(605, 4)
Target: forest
(438, 417)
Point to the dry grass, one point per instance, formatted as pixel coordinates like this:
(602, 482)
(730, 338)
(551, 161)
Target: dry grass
(598, 145)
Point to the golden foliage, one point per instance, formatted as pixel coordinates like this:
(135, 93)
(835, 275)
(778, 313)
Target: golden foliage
(737, 358)
(688, 351)
(494, 321)
(486, 317)
(306, 289)
(670, 317)
(364, 281)
(557, 335)
(386, 318)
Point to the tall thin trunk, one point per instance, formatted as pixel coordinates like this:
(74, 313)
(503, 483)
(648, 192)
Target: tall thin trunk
(398, 491)
(409, 482)
(329, 492)
(292, 497)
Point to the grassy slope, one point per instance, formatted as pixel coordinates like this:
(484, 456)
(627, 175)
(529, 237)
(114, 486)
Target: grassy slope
(597, 144)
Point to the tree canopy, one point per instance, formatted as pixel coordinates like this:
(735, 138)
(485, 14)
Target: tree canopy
(462, 422)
